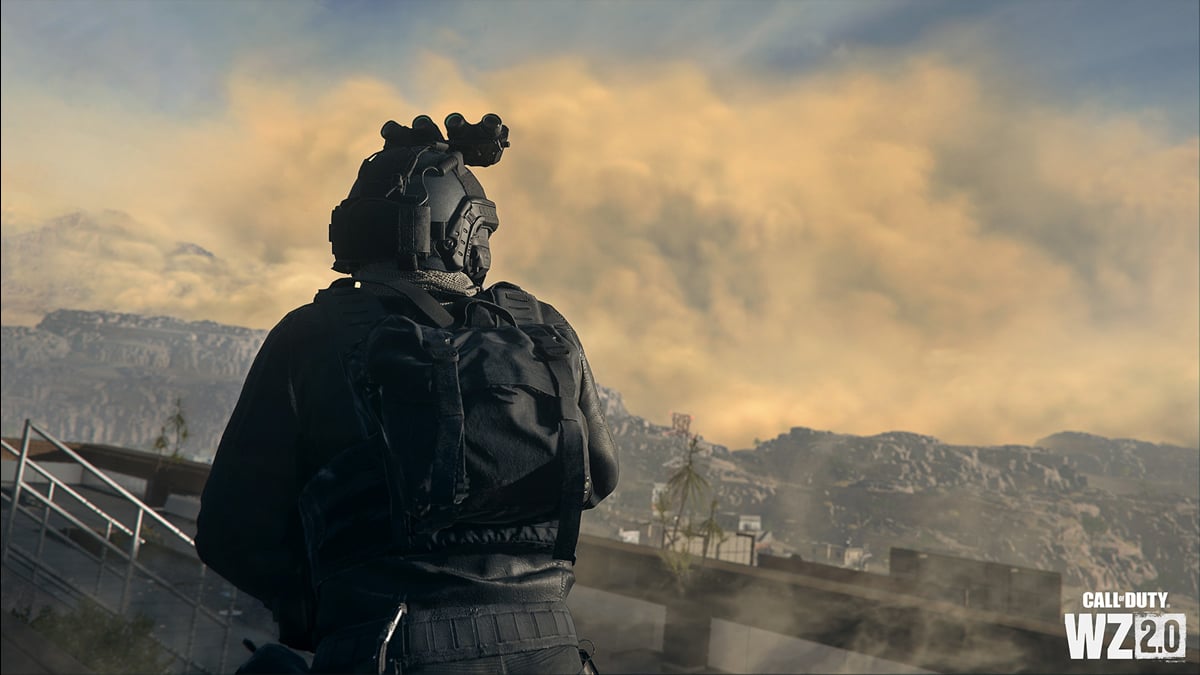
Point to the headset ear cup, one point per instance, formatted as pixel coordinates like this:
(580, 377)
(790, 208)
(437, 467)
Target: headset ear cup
(413, 233)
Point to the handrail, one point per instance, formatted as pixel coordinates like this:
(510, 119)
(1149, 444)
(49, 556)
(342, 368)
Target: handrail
(71, 587)
(149, 573)
(111, 483)
(48, 503)
(58, 483)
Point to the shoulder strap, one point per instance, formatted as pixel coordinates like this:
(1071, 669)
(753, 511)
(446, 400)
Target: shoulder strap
(420, 297)
(571, 450)
(524, 308)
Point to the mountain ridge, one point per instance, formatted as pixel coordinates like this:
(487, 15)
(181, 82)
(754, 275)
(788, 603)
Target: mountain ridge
(65, 330)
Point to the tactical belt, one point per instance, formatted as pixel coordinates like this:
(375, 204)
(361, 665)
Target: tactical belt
(454, 634)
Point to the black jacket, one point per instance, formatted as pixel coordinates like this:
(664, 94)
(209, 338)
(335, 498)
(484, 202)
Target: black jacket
(297, 411)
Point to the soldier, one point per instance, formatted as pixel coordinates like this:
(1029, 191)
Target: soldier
(402, 478)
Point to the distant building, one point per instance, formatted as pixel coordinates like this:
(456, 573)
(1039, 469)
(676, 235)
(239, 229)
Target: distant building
(631, 536)
(749, 523)
(992, 586)
(854, 557)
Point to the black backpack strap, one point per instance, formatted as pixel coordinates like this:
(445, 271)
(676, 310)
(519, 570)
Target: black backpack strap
(355, 311)
(420, 297)
(571, 450)
(449, 470)
(523, 307)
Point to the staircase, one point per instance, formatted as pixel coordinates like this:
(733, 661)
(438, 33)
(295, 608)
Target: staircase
(105, 544)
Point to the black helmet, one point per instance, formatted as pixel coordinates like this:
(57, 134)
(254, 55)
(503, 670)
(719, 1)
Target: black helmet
(417, 203)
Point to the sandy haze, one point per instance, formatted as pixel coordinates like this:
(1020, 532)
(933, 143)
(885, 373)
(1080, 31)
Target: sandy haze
(901, 245)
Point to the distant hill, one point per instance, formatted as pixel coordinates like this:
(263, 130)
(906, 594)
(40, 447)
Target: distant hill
(106, 377)
(1137, 465)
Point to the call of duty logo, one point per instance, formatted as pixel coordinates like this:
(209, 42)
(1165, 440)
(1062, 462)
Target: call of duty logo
(1157, 635)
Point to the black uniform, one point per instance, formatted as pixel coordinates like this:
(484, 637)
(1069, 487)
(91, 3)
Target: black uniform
(296, 413)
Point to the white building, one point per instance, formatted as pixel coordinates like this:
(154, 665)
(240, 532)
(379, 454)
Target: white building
(749, 523)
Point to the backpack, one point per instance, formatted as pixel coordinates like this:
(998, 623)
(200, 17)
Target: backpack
(478, 410)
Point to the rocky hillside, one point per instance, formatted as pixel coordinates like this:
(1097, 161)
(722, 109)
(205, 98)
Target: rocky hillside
(1125, 465)
(111, 378)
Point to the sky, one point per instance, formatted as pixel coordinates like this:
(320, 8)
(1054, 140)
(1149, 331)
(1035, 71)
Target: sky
(974, 220)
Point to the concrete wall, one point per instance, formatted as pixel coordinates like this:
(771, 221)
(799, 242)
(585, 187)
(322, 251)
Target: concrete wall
(135, 485)
(184, 506)
(738, 648)
(617, 623)
(71, 473)
(996, 587)
(67, 472)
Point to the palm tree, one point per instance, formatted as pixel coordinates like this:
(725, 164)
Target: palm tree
(687, 482)
(170, 437)
(177, 427)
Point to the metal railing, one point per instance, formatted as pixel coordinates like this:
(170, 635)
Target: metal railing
(126, 557)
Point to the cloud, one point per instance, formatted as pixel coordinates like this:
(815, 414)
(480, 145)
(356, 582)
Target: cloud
(874, 247)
